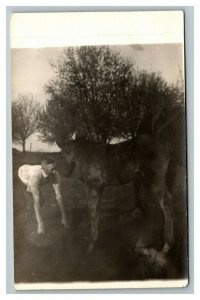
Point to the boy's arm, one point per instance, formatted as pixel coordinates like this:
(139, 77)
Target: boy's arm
(36, 198)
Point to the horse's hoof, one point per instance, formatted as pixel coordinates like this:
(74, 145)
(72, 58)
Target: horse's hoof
(166, 248)
(90, 248)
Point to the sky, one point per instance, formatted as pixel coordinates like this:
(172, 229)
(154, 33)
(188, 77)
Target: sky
(31, 70)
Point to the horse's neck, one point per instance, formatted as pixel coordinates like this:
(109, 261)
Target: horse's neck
(80, 148)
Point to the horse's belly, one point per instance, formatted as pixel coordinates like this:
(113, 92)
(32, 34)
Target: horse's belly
(106, 173)
(119, 176)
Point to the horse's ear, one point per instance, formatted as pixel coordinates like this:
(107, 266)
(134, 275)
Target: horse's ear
(74, 136)
(64, 141)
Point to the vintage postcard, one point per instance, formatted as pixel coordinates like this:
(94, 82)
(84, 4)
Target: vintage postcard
(99, 150)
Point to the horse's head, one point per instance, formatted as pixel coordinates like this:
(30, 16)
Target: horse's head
(68, 156)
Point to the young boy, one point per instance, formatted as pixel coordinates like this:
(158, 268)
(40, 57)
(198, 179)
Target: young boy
(34, 177)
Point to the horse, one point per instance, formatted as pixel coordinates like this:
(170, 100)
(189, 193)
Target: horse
(101, 165)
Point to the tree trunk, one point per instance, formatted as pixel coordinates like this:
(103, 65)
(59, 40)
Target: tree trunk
(24, 146)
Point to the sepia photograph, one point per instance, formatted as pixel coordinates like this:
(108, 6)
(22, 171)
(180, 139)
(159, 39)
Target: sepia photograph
(99, 150)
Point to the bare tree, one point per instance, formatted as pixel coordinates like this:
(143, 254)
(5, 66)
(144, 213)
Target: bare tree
(24, 119)
(84, 96)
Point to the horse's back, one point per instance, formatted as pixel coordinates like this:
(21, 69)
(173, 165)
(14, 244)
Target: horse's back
(116, 164)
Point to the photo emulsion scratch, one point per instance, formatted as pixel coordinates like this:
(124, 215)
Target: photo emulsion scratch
(99, 150)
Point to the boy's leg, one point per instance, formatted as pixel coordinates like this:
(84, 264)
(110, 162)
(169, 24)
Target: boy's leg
(42, 199)
(25, 197)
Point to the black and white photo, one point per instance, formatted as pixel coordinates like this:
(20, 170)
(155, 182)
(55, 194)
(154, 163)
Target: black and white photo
(99, 150)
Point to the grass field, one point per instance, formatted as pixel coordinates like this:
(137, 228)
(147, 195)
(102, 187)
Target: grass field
(61, 255)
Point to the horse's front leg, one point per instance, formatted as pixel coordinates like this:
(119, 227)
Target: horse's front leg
(94, 201)
(136, 186)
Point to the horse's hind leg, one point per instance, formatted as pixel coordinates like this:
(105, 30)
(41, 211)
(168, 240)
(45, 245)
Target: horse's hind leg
(166, 205)
(163, 197)
(94, 195)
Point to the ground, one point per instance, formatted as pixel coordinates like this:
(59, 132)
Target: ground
(61, 255)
